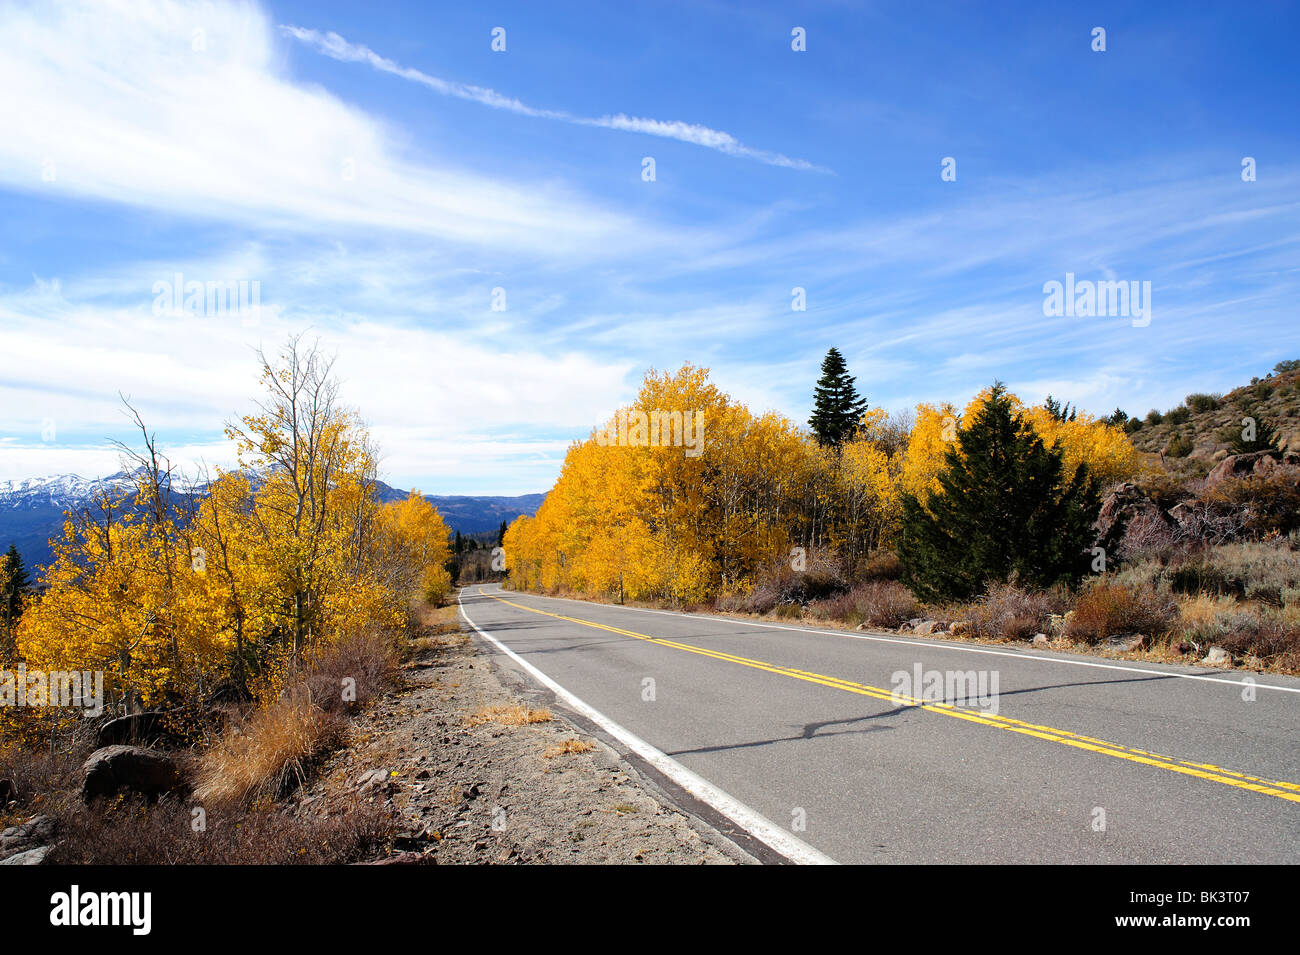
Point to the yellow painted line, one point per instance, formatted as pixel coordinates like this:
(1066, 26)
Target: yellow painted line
(1269, 787)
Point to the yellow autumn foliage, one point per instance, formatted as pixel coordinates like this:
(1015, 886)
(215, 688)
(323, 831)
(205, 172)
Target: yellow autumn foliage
(644, 520)
(172, 598)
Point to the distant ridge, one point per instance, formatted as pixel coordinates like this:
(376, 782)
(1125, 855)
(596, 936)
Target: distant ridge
(31, 510)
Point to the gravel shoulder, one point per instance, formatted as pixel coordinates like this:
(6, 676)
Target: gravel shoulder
(468, 779)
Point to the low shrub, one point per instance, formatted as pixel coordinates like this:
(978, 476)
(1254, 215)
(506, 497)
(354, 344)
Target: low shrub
(781, 585)
(1164, 488)
(1274, 642)
(1256, 570)
(1266, 505)
(1207, 621)
(363, 665)
(1108, 608)
(1201, 403)
(1179, 446)
(881, 565)
(1146, 536)
(29, 776)
(1200, 576)
(1006, 612)
(877, 603)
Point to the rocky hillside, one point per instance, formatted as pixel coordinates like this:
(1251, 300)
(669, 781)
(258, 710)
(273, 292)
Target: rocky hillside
(1207, 422)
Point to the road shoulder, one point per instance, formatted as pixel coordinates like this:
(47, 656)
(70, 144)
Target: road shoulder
(454, 757)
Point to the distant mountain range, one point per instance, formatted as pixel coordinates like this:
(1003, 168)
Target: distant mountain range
(31, 510)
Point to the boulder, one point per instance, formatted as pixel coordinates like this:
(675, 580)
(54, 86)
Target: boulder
(135, 728)
(36, 831)
(1119, 508)
(1218, 657)
(1253, 464)
(30, 857)
(927, 627)
(131, 768)
(1040, 639)
(1126, 642)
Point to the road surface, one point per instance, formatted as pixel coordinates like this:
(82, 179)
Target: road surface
(824, 746)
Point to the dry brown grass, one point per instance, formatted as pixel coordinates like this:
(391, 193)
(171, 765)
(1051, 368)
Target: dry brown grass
(35, 778)
(268, 755)
(514, 715)
(565, 747)
(129, 833)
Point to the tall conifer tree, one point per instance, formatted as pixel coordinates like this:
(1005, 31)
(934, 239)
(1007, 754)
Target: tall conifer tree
(837, 406)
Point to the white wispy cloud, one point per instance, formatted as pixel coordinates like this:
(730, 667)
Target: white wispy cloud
(332, 45)
(185, 109)
(472, 414)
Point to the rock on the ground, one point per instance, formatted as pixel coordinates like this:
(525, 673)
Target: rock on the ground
(133, 768)
(1126, 642)
(1040, 639)
(1217, 656)
(30, 857)
(1118, 510)
(36, 831)
(1253, 464)
(134, 728)
(927, 627)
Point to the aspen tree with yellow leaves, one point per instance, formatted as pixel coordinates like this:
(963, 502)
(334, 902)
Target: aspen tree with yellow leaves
(174, 593)
(650, 521)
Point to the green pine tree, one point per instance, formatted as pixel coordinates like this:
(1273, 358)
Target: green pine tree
(1004, 511)
(1266, 437)
(501, 533)
(1061, 412)
(837, 406)
(14, 584)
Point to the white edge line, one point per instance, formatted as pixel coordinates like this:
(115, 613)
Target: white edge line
(936, 645)
(755, 823)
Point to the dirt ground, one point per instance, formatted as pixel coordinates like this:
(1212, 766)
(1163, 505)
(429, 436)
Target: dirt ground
(473, 784)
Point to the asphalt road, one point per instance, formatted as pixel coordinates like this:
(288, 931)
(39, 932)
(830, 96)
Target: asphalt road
(1075, 759)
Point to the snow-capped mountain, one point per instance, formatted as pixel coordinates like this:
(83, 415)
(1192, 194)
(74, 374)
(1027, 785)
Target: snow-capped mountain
(58, 490)
(31, 510)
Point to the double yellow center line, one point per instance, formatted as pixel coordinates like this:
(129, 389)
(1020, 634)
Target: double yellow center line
(1268, 787)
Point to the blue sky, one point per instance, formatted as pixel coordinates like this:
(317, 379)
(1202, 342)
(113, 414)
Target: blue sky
(379, 170)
